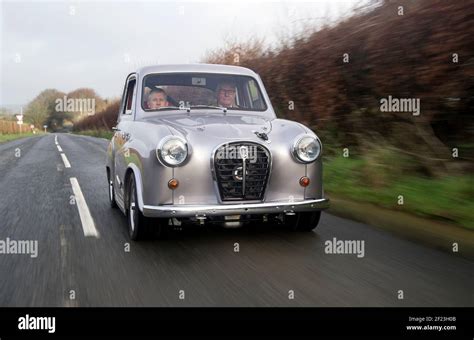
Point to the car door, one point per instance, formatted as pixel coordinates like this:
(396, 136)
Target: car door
(121, 136)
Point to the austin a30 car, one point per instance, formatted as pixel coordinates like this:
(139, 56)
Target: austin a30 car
(201, 144)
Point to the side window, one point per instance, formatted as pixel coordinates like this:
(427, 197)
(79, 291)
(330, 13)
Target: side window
(129, 95)
(253, 91)
(255, 96)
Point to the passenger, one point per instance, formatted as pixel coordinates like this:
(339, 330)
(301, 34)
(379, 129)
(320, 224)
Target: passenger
(157, 98)
(226, 94)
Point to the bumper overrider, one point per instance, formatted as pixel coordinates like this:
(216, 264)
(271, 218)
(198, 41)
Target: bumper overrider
(166, 211)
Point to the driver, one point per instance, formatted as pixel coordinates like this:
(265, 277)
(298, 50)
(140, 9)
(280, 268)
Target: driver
(157, 98)
(226, 91)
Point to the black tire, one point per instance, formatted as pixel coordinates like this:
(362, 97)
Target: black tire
(303, 221)
(111, 190)
(139, 226)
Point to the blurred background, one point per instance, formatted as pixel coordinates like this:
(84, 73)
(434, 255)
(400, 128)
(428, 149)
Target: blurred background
(325, 64)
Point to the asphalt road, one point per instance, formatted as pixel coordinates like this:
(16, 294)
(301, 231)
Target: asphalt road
(35, 204)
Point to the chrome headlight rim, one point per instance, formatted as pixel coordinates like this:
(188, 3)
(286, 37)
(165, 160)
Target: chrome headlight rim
(162, 143)
(294, 149)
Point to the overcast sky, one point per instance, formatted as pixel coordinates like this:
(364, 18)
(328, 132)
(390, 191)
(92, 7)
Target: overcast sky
(67, 45)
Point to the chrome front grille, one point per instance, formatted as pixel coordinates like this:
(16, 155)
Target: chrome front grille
(242, 175)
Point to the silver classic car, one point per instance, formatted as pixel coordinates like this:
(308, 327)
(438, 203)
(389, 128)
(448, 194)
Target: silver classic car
(200, 144)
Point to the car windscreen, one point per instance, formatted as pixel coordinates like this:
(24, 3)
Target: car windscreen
(201, 90)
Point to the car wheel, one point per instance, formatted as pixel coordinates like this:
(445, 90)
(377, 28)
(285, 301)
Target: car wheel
(139, 226)
(111, 190)
(137, 223)
(303, 221)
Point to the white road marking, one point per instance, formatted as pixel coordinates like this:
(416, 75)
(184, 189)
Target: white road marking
(65, 160)
(87, 222)
(56, 140)
(59, 148)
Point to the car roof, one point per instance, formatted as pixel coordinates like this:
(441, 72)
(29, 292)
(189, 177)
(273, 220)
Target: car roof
(198, 68)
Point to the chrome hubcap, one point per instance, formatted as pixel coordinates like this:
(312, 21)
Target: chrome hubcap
(132, 209)
(111, 190)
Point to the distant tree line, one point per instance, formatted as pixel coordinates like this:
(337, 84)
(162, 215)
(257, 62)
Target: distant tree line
(59, 110)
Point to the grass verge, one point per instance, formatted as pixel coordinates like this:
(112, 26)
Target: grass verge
(12, 136)
(438, 235)
(96, 133)
(447, 200)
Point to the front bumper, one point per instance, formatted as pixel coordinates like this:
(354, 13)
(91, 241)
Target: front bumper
(166, 211)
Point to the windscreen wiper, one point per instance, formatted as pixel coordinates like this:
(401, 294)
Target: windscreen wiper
(164, 108)
(224, 109)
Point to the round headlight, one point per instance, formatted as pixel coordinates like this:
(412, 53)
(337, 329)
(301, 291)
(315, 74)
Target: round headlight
(172, 150)
(307, 149)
